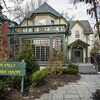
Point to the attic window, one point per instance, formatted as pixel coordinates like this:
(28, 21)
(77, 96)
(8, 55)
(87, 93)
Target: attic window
(77, 35)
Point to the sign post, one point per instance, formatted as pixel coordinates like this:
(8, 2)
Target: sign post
(13, 69)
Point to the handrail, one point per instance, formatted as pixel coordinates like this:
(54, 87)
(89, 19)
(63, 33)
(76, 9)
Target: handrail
(39, 28)
(95, 62)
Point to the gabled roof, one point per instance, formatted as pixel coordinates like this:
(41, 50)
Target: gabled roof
(84, 23)
(78, 41)
(44, 9)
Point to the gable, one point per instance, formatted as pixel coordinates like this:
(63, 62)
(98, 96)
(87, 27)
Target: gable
(84, 24)
(79, 25)
(44, 9)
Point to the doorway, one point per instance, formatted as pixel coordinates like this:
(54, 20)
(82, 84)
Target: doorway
(77, 55)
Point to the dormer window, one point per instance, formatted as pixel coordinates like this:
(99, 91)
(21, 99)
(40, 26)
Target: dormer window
(42, 21)
(77, 34)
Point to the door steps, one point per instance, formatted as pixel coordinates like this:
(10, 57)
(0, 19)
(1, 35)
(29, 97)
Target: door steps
(86, 69)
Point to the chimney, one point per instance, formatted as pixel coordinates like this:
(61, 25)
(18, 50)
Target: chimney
(1, 10)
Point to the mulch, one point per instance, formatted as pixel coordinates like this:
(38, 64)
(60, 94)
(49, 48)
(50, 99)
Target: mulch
(32, 93)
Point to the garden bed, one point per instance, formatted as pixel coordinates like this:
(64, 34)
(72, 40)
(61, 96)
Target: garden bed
(31, 93)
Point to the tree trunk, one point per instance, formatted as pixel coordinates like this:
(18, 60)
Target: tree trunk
(96, 16)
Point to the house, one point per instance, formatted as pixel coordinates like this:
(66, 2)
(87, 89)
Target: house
(4, 24)
(41, 28)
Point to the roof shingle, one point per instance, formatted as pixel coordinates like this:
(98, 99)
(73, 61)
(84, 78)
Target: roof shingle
(44, 8)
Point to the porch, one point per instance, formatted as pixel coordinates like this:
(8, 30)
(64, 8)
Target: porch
(78, 52)
(43, 39)
(56, 28)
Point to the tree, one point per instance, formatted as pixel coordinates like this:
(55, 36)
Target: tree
(93, 11)
(17, 9)
(96, 47)
(27, 55)
(66, 16)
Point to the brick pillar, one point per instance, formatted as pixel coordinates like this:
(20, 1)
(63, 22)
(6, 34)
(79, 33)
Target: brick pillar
(4, 33)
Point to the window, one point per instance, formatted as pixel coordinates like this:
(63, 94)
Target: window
(14, 48)
(57, 43)
(42, 21)
(41, 48)
(77, 35)
(52, 22)
(77, 53)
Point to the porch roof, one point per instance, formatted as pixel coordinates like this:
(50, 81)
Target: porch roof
(79, 41)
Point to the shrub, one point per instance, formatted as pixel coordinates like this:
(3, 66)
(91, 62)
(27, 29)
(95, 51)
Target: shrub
(55, 63)
(54, 70)
(2, 89)
(65, 70)
(70, 71)
(73, 66)
(13, 82)
(39, 77)
(31, 62)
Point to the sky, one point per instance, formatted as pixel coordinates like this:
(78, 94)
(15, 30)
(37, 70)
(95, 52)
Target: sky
(79, 10)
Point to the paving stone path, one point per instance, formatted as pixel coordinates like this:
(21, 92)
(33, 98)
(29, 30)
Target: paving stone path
(80, 90)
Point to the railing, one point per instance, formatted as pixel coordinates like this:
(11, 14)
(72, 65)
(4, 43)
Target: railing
(87, 59)
(39, 28)
(95, 63)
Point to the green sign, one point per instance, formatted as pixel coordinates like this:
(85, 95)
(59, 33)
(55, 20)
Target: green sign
(13, 69)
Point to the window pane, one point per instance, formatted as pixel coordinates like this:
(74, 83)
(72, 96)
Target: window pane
(77, 53)
(77, 35)
(57, 44)
(40, 48)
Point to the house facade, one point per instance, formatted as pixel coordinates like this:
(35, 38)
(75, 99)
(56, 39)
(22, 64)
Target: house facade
(47, 30)
(4, 24)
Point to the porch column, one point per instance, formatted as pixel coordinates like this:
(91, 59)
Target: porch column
(20, 44)
(64, 50)
(86, 54)
(71, 54)
(51, 43)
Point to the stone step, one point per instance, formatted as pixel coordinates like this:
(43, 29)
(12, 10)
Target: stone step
(46, 97)
(86, 68)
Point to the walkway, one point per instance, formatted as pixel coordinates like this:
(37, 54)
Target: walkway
(82, 90)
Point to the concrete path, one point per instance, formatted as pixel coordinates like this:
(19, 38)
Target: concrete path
(80, 90)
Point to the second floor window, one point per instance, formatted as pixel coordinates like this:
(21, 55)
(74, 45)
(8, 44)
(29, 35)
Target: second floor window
(52, 22)
(42, 21)
(77, 34)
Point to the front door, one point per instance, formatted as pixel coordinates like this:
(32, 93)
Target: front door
(77, 55)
